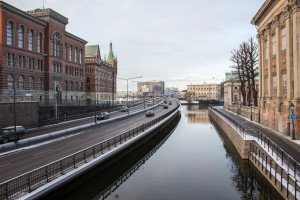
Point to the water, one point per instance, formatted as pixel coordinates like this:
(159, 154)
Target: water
(191, 160)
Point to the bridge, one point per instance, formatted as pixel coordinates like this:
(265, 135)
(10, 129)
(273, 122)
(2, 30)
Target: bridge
(36, 165)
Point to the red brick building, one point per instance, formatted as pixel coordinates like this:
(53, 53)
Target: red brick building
(38, 54)
(101, 75)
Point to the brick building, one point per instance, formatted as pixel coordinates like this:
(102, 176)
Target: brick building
(100, 75)
(40, 56)
(278, 25)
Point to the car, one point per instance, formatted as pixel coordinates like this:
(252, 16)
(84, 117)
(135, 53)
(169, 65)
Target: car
(170, 102)
(103, 115)
(161, 103)
(124, 109)
(165, 101)
(149, 103)
(165, 106)
(8, 133)
(149, 113)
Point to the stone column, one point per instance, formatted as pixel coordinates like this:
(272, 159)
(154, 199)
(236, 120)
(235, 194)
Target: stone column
(288, 51)
(269, 75)
(296, 52)
(261, 46)
(278, 57)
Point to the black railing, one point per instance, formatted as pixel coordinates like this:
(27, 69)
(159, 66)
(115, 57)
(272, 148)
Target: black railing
(34, 179)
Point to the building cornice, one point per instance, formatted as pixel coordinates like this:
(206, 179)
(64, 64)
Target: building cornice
(15, 11)
(73, 37)
(262, 12)
(48, 12)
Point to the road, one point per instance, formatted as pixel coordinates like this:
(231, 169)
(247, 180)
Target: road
(17, 163)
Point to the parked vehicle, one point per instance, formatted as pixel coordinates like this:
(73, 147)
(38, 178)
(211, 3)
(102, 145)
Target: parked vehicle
(124, 109)
(103, 115)
(149, 113)
(8, 133)
(165, 106)
(149, 103)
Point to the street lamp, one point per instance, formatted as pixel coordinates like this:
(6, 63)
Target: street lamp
(251, 103)
(293, 131)
(127, 79)
(288, 123)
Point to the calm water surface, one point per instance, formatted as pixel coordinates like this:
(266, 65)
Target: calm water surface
(191, 160)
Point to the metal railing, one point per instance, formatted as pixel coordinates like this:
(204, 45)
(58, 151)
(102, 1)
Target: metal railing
(34, 179)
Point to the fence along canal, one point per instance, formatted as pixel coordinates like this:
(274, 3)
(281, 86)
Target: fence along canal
(34, 179)
(281, 170)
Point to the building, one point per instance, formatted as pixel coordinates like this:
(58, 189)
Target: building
(278, 26)
(40, 56)
(171, 90)
(204, 92)
(100, 75)
(151, 88)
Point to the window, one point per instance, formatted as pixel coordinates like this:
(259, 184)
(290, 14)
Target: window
(274, 44)
(21, 83)
(267, 87)
(76, 52)
(40, 44)
(80, 56)
(77, 86)
(267, 50)
(21, 36)
(56, 45)
(31, 63)
(66, 69)
(81, 87)
(76, 71)
(66, 51)
(71, 85)
(281, 108)
(284, 85)
(40, 84)
(66, 85)
(71, 53)
(9, 30)
(10, 82)
(40, 64)
(31, 83)
(10, 59)
(30, 40)
(275, 86)
(88, 80)
(283, 38)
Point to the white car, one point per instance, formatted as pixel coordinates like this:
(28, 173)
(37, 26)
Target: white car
(149, 103)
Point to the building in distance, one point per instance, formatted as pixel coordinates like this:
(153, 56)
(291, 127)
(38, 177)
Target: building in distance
(151, 88)
(204, 92)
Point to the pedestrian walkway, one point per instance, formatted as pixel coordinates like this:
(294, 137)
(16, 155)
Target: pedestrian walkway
(285, 142)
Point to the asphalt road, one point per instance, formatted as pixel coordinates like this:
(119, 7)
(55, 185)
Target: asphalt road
(20, 162)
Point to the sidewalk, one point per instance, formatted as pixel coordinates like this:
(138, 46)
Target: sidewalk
(291, 147)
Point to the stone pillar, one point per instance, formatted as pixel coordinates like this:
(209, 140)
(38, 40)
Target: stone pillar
(288, 52)
(296, 52)
(278, 57)
(269, 75)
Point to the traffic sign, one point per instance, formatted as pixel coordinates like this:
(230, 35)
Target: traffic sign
(293, 116)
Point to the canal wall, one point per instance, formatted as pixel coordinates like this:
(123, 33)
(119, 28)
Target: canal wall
(104, 160)
(242, 146)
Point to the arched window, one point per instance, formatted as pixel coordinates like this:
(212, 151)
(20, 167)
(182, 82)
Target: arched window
(31, 83)
(80, 56)
(71, 85)
(40, 84)
(10, 82)
(21, 83)
(57, 45)
(76, 52)
(71, 53)
(30, 40)
(9, 30)
(40, 42)
(77, 86)
(67, 86)
(21, 36)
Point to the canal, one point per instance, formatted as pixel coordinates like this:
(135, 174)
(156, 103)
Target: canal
(191, 159)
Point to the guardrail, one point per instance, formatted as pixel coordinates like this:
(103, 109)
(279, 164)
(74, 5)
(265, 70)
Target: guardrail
(272, 158)
(34, 179)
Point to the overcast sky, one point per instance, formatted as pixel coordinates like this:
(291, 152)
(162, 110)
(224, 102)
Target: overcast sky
(179, 42)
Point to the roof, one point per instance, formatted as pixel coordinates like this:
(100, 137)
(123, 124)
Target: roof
(111, 56)
(91, 50)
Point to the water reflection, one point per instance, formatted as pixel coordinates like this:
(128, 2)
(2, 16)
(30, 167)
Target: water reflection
(245, 177)
(197, 114)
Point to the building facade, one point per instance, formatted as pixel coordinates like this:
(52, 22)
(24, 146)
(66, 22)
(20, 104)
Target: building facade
(151, 88)
(101, 76)
(278, 24)
(44, 61)
(204, 92)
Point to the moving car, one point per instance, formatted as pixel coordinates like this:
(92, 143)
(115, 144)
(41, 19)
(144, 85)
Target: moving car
(165, 106)
(103, 115)
(124, 109)
(8, 133)
(149, 103)
(170, 102)
(149, 113)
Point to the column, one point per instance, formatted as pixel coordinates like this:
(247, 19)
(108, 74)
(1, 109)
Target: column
(288, 51)
(278, 57)
(269, 75)
(296, 52)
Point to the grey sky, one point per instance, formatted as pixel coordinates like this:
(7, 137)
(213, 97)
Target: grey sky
(179, 42)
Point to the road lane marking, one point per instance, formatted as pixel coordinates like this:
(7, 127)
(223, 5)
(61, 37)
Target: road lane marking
(72, 142)
(4, 164)
(42, 152)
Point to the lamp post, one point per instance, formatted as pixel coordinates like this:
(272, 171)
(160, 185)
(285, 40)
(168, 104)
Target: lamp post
(292, 110)
(251, 103)
(288, 122)
(127, 79)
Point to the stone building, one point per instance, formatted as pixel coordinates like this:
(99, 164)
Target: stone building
(278, 26)
(204, 92)
(100, 75)
(37, 54)
(151, 88)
